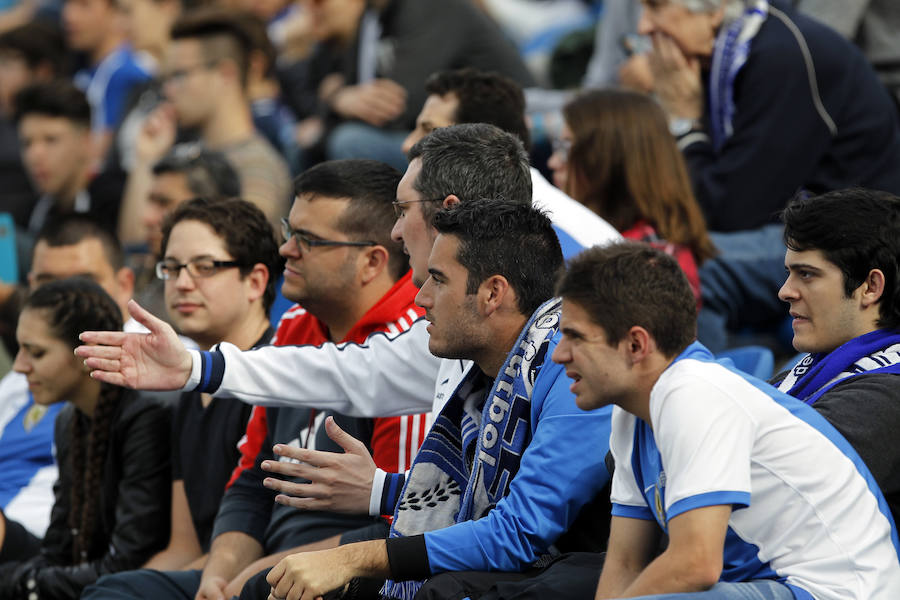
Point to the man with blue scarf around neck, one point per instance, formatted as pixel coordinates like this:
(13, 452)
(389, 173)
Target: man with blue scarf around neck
(842, 287)
(760, 496)
(502, 474)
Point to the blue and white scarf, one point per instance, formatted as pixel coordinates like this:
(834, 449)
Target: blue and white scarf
(730, 53)
(470, 456)
(875, 352)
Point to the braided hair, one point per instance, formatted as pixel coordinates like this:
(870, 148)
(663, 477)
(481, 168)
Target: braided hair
(71, 306)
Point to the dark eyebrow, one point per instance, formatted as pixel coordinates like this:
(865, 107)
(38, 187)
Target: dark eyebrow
(306, 232)
(795, 266)
(572, 333)
(437, 273)
(209, 256)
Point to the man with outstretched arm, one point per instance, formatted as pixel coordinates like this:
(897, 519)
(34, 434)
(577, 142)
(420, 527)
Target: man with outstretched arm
(729, 467)
(457, 164)
(499, 477)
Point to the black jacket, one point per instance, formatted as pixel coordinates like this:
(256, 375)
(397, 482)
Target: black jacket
(781, 143)
(133, 517)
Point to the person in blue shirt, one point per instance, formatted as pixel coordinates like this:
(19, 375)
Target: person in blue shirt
(113, 69)
(726, 465)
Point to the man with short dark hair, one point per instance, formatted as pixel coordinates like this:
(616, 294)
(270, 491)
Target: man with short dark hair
(499, 478)
(729, 467)
(54, 130)
(843, 265)
(206, 82)
(219, 264)
(187, 171)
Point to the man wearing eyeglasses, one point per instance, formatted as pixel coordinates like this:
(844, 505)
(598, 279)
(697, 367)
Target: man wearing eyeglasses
(351, 281)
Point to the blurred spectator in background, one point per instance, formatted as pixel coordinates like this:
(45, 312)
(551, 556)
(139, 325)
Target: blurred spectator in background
(95, 28)
(149, 24)
(617, 157)
(363, 82)
(206, 80)
(472, 96)
(764, 103)
(74, 247)
(54, 129)
(31, 53)
(873, 25)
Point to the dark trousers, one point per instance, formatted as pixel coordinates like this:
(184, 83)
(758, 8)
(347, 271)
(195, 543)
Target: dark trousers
(571, 576)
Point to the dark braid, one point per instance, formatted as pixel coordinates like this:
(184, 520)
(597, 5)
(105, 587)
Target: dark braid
(71, 306)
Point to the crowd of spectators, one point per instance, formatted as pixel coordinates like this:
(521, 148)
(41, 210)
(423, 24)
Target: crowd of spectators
(340, 298)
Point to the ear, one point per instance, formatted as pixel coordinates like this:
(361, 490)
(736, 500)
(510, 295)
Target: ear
(125, 279)
(256, 66)
(639, 344)
(872, 288)
(450, 201)
(493, 293)
(230, 70)
(44, 71)
(372, 263)
(257, 280)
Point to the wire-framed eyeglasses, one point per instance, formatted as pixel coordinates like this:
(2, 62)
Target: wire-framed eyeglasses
(400, 211)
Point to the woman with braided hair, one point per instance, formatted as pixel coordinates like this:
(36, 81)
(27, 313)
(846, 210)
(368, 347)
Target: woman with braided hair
(111, 508)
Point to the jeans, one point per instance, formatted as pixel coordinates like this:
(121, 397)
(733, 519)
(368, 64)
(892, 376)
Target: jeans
(145, 583)
(740, 285)
(359, 140)
(761, 589)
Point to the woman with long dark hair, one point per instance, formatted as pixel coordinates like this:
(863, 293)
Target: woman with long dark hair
(111, 508)
(617, 157)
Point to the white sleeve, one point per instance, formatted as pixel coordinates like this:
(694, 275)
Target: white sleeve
(388, 375)
(705, 437)
(626, 496)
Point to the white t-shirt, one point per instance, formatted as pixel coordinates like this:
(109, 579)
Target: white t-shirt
(805, 512)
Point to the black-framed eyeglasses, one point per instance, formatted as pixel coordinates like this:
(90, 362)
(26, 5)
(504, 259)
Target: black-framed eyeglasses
(308, 243)
(398, 205)
(197, 268)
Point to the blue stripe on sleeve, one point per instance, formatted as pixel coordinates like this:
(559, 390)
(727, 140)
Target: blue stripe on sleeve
(216, 371)
(632, 512)
(735, 499)
(204, 372)
(393, 483)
